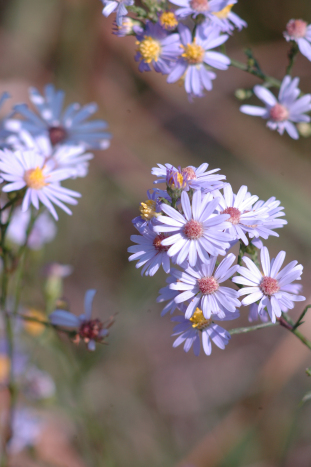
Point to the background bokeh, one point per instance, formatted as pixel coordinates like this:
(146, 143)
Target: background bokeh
(138, 402)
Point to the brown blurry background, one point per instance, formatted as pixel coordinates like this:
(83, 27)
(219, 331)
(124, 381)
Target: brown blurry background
(144, 403)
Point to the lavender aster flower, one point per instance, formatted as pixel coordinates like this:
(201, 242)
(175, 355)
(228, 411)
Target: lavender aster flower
(118, 6)
(29, 170)
(155, 46)
(189, 177)
(168, 295)
(198, 327)
(271, 287)
(196, 55)
(68, 127)
(243, 217)
(90, 330)
(150, 209)
(128, 27)
(168, 20)
(201, 286)
(270, 222)
(226, 20)
(199, 232)
(200, 7)
(299, 31)
(283, 111)
(150, 252)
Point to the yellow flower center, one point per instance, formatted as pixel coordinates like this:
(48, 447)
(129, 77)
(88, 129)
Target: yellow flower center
(193, 53)
(4, 367)
(168, 20)
(199, 321)
(223, 14)
(149, 49)
(180, 181)
(35, 179)
(33, 328)
(148, 210)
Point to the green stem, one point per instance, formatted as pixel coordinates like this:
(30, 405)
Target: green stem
(299, 321)
(251, 328)
(249, 68)
(292, 56)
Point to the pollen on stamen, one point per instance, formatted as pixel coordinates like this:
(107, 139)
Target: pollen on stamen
(157, 243)
(149, 48)
(193, 229)
(235, 215)
(199, 5)
(269, 286)
(279, 113)
(296, 28)
(208, 285)
(199, 321)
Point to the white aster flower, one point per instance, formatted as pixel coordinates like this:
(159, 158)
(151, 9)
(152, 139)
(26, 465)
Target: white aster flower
(29, 170)
(243, 217)
(282, 112)
(198, 327)
(272, 288)
(199, 232)
(299, 31)
(201, 286)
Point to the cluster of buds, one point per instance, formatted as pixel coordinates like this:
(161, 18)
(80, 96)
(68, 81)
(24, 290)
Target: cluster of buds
(190, 224)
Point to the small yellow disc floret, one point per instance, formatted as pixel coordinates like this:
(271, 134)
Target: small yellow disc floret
(149, 49)
(199, 321)
(193, 53)
(148, 210)
(168, 20)
(35, 178)
(223, 14)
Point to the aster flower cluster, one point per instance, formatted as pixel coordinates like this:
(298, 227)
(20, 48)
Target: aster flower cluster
(189, 228)
(191, 53)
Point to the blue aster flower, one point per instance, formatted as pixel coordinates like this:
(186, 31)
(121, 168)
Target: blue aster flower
(196, 54)
(118, 6)
(157, 47)
(68, 126)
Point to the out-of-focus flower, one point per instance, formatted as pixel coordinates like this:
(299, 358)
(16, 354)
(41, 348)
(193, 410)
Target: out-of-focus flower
(26, 429)
(43, 230)
(69, 157)
(272, 288)
(89, 330)
(117, 6)
(299, 31)
(199, 232)
(197, 53)
(155, 46)
(207, 8)
(243, 218)
(227, 20)
(29, 170)
(129, 26)
(168, 20)
(33, 327)
(189, 177)
(38, 384)
(201, 286)
(198, 327)
(149, 252)
(69, 127)
(282, 112)
(4, 134)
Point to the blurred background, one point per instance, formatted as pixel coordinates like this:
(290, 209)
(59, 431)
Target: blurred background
(138, 402)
